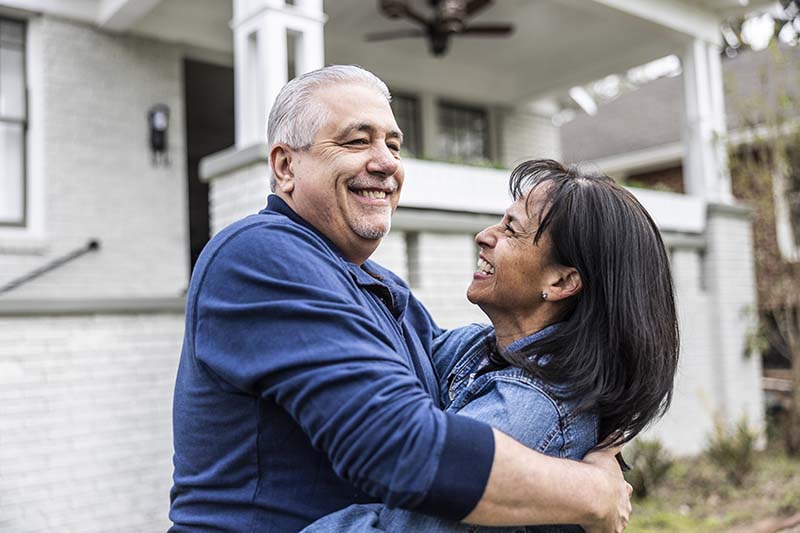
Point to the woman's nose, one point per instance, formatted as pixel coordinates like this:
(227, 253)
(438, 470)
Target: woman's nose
(486, 237)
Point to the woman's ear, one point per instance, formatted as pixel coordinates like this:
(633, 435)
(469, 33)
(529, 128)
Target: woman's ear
(280, 159)
(567, 283)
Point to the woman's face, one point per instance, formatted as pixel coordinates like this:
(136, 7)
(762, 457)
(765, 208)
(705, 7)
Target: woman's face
(512, 271)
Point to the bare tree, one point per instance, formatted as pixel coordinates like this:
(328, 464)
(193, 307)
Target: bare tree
(766, 173)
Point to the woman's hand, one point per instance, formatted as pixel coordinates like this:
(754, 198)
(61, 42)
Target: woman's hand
(614, 502)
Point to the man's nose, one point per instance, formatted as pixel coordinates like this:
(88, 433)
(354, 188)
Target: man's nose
(383, 161)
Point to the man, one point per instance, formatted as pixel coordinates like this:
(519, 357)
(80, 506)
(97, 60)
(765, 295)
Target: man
(305, 383)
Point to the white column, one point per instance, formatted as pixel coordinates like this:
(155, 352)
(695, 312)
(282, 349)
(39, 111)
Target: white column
(260, 57)
(705, 166)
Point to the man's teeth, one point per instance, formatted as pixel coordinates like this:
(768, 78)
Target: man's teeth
(371, 194)
(484, 266)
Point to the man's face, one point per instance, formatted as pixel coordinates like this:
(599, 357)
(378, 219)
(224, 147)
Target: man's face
(347, 184)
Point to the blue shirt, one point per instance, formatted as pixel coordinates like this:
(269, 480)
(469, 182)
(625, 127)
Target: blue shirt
(305, 385)
(509, 398)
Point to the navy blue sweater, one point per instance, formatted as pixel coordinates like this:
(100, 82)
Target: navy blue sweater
(305, 385)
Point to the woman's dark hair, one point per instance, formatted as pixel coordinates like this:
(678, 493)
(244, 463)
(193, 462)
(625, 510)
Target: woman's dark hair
(617, 346)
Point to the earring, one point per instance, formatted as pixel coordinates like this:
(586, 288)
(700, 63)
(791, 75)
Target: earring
(544, 295)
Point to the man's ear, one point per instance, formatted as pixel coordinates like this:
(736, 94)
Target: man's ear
(280, 159)
(566, 282)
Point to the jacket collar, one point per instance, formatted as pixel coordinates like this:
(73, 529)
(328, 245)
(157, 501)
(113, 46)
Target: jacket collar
(521, 344)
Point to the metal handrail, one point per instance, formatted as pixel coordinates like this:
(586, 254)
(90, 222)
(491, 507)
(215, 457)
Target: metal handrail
(90, 246)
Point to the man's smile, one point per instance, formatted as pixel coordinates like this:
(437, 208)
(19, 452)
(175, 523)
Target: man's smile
(373, 194)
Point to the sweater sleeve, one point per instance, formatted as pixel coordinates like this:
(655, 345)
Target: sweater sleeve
(275, 315)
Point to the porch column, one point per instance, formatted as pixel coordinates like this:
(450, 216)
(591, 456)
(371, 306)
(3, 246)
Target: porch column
(728, 264)
(270, 37)
(705, 167)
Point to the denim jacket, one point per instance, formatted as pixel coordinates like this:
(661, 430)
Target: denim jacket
(508, 398)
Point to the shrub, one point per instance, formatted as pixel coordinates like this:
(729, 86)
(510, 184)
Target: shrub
(732, 449)
(650, 462)
(790, 503)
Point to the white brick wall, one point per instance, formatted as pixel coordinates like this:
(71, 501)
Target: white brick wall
(446, 264)
(238, 194)
(716, 295)
(731, 278)
(685, 427)
(85, 429)
(526, 136)
(92, 93)
(391, 253)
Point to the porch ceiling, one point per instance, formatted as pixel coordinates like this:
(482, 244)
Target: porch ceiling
(556, 44)
(200, 23)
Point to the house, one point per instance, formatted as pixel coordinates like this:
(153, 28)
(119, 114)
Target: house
(132, 129)
(635, 139)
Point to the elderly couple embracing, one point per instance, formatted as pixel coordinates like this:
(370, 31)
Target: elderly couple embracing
(316, 393)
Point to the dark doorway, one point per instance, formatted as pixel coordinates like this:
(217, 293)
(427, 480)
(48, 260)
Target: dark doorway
(209, 129)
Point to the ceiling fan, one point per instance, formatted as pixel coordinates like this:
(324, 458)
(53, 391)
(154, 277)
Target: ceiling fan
(449, 19)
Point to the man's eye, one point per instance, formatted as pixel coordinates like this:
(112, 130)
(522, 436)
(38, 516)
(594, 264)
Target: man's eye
(509, 229)
(394, 147)
(358, 141)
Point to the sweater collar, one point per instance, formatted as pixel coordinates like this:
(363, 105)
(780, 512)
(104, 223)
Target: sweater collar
(277, 204)
(394, 296)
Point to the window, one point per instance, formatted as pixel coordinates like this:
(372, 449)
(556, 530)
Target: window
(12, 123)
(463, 133)
(666, 179)
(406, 112)
(292, 51)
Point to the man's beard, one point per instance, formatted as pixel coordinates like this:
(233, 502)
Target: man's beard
(372, 232)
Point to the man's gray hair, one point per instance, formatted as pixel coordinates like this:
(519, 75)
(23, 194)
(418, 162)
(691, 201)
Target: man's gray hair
(296, 115)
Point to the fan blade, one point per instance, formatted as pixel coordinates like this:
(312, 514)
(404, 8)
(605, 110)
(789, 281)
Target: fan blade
(495, 30)
(473, 6)
(396, 34)
(416, 16)
(401, 8)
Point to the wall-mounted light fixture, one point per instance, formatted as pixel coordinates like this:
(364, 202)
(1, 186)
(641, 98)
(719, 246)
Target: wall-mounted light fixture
(158, 122)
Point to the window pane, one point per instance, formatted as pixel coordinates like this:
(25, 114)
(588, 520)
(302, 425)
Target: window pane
(463, 133)
(11, 176)
(12, 33)
(406, 113)
(12, 83)
(292, 49)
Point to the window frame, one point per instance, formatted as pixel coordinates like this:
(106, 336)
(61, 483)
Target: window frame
(32, 238)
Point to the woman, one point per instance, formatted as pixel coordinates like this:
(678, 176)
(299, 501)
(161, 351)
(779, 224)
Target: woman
(583, 346)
